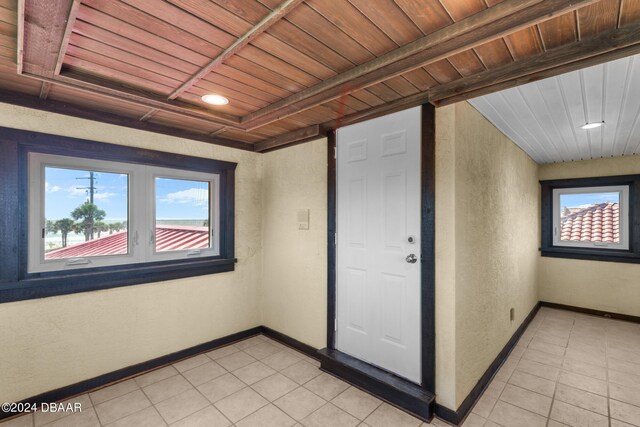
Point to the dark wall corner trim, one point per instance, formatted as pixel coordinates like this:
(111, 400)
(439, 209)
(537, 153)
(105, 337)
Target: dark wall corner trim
(592, 312)
(331, 236)
(306, 349)
(457, 417)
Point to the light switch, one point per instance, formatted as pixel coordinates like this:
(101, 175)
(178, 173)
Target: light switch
(303, 219)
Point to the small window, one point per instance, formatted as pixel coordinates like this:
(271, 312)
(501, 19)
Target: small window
(84, 215)
(591, 217)
(89, 213)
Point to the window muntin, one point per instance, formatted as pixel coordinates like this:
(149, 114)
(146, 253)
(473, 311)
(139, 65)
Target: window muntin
(133, 245)
(591, 217)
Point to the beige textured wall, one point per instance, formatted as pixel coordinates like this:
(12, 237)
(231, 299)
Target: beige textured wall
(496, 242)
(53, 342)
(606, 286)
(294, 287)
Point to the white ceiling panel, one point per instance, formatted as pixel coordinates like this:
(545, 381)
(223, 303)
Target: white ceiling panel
(544, 117)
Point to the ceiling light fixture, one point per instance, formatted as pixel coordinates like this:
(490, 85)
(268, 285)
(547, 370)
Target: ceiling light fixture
(214, 99)
(592, 125)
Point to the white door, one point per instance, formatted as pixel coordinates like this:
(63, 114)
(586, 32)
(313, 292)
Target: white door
(378, 229)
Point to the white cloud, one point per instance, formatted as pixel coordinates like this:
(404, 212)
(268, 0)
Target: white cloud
(103, 196)
(76, 192)
(51, 188)
(197, 196)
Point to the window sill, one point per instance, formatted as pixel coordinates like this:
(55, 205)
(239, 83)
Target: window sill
(43, 285)
(592, 254)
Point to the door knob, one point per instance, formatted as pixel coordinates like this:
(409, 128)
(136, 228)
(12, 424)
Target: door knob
(411, 259)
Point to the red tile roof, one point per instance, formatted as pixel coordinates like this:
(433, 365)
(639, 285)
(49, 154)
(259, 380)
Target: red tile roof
(168, 238)
(596, 223)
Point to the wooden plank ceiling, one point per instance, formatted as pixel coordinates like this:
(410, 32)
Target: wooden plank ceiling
(291, 69)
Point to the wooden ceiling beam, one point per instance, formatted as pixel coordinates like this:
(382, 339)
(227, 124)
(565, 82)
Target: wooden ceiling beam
(262, 26)
(94, 85)
(492, 23)
(71, 19)
(294, 137)
(44, 90)
(46, 42)
(20, 36)
(380, 110)
(148, 115)
(606, 47)
(58, 107)
(43, 34)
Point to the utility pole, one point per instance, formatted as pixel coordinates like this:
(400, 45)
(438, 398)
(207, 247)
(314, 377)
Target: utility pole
(91, 189)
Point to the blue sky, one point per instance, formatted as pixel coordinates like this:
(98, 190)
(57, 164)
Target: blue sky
(176, 199)
(181, 199)
(588, 199)
(63, 193)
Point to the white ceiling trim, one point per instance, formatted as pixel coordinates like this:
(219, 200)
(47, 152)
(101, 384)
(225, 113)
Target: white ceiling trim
(544, 118)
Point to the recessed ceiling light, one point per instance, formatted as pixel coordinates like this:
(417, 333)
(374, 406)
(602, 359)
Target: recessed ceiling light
(591, 125)
(215, 99)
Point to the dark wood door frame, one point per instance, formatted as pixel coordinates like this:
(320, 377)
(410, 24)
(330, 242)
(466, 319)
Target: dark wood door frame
(427, 245)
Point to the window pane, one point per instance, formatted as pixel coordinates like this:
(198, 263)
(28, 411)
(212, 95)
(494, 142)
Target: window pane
(590, 217)
(86, 213)
(182, 214)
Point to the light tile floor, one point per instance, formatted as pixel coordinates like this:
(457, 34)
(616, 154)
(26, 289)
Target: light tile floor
(257, 382)
(567, 369)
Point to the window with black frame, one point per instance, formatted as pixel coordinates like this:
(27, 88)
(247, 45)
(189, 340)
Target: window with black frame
(591, 218)
(83, 215)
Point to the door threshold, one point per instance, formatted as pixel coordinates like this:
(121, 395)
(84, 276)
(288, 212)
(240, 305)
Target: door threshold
(383, 384)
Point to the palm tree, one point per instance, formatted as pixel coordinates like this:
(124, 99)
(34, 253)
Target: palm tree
(65, 226)
(99, 227)
(50, 227)
(88, 214)
(116, 226)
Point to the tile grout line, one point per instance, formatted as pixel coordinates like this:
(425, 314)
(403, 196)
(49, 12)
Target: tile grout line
(555, 387)
(276, 372)
(532, 391)
(179, 373)
(606, 373)
(507, 380)
(132, 378)
(246, 386)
